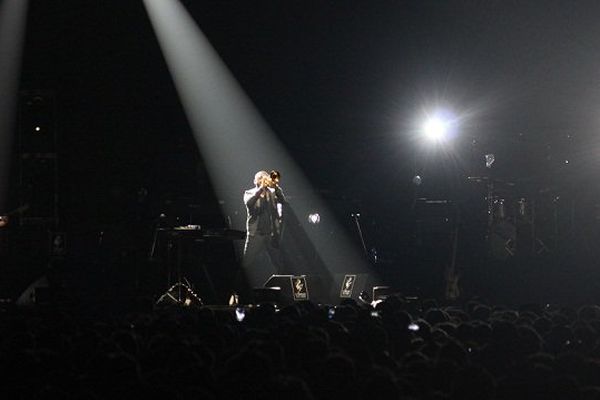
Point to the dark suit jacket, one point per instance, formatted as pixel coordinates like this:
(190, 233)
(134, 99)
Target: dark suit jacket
(264, 213)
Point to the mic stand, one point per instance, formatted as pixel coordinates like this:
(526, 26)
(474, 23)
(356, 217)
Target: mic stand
(356, 218)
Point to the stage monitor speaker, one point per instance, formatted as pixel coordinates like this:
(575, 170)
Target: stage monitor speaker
(381, 292)
(351, 285)
(295, 288)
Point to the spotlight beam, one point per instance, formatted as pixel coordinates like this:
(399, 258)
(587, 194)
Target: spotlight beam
(232, 136)
(13, 15)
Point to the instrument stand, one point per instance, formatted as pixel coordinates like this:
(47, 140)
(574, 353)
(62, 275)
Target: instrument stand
(179, 293)
(179, 239)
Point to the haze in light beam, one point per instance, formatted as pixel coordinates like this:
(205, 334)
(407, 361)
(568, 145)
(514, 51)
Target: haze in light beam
(13, 15)
(233, 139)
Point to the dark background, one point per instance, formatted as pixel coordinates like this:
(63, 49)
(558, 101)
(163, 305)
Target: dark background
(344, 85)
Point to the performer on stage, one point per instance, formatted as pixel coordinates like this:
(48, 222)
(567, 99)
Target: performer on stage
(264, 205)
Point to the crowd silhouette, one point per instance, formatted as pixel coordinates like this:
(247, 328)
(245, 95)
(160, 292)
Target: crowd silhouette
(398, 349)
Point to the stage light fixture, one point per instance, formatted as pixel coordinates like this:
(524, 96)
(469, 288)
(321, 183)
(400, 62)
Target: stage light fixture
(438, 126)
(314, 218)
(435, 129)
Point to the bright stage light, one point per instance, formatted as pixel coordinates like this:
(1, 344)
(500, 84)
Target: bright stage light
(438, 126)
(435, 129)
(314, 218)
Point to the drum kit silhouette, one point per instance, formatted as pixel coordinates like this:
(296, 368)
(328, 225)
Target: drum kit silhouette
(519, 219)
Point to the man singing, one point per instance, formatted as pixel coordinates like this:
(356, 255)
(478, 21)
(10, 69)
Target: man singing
(264, 205)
